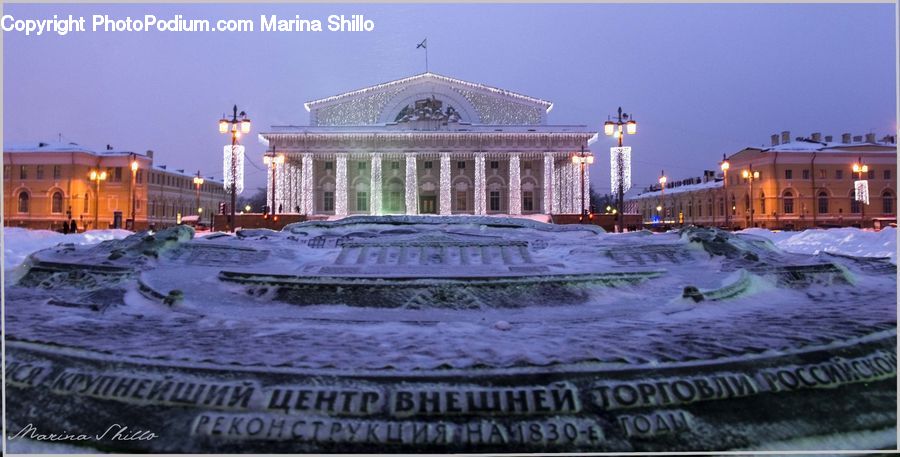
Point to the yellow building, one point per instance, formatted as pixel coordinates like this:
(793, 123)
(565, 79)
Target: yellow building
(47, 184)
(793, 184)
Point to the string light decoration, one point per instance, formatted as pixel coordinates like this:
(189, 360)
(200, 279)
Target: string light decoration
(548, 183)
(375, 198)
(239, 166)
(357, 111)
(620, 157)
(515, 185)
(587, 189)
(307, 184)
(479, 184)
(296, 182)
(340, 186)
(280, 188)
(496, 111)
(446, 192)
(861, 191)
(412, 197)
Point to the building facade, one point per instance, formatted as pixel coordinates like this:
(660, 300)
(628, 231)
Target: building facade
(47, 184)
(801, 183)
(427, 144)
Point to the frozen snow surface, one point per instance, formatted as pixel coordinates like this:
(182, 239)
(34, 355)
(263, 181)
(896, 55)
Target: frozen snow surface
(19, 242)
(848, 241)
(434, 293)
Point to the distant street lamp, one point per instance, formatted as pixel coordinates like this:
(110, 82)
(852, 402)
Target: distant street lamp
(725, 166)
(134, 169)
(236, 126)
(662, 192)
(581, 159)
(615, 129)
(97, 176)
(273, 160)
(198, 181)
(859, 168)
(750, 174)
(247, 208)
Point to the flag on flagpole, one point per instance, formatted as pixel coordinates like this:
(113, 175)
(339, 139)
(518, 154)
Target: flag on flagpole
(423, 44)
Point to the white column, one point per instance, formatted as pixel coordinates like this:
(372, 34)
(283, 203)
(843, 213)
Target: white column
(340, 186)
(446, 191)
(587, 187)
(480, 188)
(269, 185)
(549, 189)
(412, 185)
(515, 185)
(307, 188)
(296, 185)
(375, 185)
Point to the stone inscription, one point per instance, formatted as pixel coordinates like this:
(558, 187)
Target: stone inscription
(681, 391)
(310, 429)
(656, 423)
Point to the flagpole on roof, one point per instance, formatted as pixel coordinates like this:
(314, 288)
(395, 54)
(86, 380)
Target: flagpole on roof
(424, 44)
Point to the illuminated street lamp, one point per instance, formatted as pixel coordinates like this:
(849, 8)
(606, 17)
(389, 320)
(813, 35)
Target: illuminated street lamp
(582, 158)
(134, 169)
(859, 168)
(273, 160)
(198, 181)
(247, 208)
(750, 174)
(725, 165)
(662, 192)
(237, 125)
(624, 123)
(97, 176)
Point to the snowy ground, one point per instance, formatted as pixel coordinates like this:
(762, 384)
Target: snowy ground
(19, 242)
(849, 241)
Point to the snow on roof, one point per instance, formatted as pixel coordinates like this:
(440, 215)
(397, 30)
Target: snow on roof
(469, 128)
(62, 147)
(806, 145)
(180, 172)
(686, 188)
(547, 105)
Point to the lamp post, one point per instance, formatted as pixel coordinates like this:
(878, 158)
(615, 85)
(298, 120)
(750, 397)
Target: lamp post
(859, 168)
(273, 160)
(662, 194)
(725, 165)
(624, 123)
(198, 181)
(750, 174)
(97, 176)
(134, 169)
(581, 158)
(238, 124)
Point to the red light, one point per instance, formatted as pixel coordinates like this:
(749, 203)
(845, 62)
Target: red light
(275, 218)
(265, 216)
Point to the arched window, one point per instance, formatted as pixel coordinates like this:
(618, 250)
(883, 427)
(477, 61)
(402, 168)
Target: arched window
(823, 202)
(887, 202)
(23, 202)
(733, 206)
(56, 202)
(709, 206)
(87, 205)
(788, 201)
(721, 206)
(854, 203)
(762, 203)
(747, 203)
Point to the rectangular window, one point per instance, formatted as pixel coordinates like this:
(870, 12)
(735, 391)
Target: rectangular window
(806, 174)
(6, 171)
(887, 174)
(822, 173)
(495, 164)
(139, 176)
(527, 200)
(23, 172)
(460, 165)
(328, 201)
(395, 165)
(495, 200)
(39, 173)
(118, 174)
(461, 200)
(395, 201)
(871, 174)
(362, 201)
(838, 174)
(57, 172)
(788, 174)
(526, 165)
(361, 166)
(427, 165)
(329, 165)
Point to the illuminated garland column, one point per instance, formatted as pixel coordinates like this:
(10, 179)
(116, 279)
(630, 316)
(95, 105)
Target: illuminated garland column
(515, 185)
(280, 187)
(307, 187)
(375, 185)
(412, 186)
(296, 182)
(575, 189)
(446, 194)
(587, 187)
(340, 186)
(479, 184)
(269, 184)
(548, 184)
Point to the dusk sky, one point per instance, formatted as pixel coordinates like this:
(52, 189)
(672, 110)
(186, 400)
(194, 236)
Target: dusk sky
(701, 80)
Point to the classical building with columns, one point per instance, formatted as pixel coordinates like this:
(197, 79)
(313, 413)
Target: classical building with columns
(427, 144)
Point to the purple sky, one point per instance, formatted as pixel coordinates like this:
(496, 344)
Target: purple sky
(701, 80)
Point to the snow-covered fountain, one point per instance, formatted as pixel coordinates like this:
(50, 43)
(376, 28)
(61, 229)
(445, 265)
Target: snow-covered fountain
(442, 334)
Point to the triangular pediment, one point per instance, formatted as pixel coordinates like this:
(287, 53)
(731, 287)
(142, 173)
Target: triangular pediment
(475, 103)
